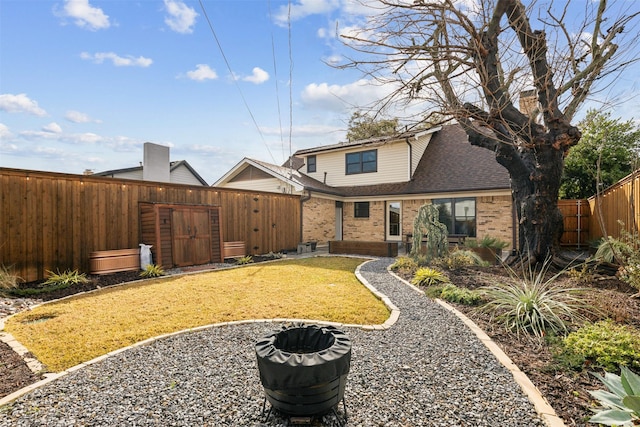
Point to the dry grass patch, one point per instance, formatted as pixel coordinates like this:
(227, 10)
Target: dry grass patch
(78, 329)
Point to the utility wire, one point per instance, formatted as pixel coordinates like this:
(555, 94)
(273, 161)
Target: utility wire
(290, 89)
(235, 81)
(275, 74)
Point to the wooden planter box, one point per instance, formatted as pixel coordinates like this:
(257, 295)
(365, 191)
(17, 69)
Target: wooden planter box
(383, 249)
(105, 262)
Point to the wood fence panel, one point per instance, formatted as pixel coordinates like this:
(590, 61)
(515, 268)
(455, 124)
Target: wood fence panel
(575, 214)
(619, 203)
(53, 221)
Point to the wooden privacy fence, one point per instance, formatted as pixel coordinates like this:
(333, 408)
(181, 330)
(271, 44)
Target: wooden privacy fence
(576, 223)
(620, 202)
(52, 221)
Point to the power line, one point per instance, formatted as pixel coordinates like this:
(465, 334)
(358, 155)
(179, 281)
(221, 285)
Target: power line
(275, 73)
(235, 81)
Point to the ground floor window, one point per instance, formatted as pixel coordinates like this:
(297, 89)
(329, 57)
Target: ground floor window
(361, 210)
(459, 215)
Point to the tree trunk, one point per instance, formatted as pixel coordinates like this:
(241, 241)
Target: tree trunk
(535, 194)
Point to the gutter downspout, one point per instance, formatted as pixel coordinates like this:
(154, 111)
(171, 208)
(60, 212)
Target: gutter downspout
(410, 158)
(302, 200)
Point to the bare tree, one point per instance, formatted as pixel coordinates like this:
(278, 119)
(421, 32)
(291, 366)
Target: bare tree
(471, 60)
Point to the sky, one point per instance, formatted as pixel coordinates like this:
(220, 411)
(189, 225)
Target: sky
(85, 83)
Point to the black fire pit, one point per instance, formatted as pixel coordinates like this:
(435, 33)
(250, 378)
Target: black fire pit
(303, 369)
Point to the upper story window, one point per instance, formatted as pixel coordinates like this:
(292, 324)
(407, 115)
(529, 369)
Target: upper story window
(361, 210)
(311, 164)
(459, 215)
(362, 162)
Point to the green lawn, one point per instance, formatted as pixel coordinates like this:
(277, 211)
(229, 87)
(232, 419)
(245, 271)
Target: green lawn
(65, 333)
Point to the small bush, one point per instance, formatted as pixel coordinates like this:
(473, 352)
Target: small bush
(605, 344)
(404, 263)
(66, 278)
(244, 260)
(459, 259)
(464, 296)
(486, 242)
(428, 277)
(8, 280)
(152, 270)
(434, 291)
(273, 255)
(582, 274)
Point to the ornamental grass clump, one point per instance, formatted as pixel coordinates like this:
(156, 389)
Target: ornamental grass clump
(533, 304)
(8, 280)
(152, 270)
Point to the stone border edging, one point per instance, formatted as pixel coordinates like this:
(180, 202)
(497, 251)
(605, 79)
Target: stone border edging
(542, 407)
(49, 377)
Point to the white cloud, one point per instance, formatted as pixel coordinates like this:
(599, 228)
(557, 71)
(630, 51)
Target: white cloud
(4, 131)
(85, 15)
(181, 17)
(118, 61)
(303, 9)
(78, 117)
(259, 76)
(201, 73)
(52, 127)
(20, 104)
(338, 97)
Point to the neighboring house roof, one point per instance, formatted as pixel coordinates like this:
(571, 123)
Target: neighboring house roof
(449, 164)
(138, 169)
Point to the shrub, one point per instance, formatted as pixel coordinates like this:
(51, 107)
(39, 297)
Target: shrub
(625, 252)
(248, 259)
(152, 270)
(404, 263)
(621, 404)
(427, 276)
(458, 295)
(606, 344)
(273, 255)
(66, 278)
(582, 273)
(532, 304)
(8, 280)
(611, 249)
(458, 259)
(486, 242)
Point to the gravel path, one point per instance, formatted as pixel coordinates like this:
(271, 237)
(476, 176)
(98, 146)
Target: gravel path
(427, 370)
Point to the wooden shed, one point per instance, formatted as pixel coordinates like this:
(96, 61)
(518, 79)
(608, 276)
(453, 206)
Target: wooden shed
(181, 234)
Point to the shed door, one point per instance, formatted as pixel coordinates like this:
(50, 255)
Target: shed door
(191, 237)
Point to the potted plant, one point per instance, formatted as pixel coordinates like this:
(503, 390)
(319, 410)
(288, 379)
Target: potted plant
(488, 248)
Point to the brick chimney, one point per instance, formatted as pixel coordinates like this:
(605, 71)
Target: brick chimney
(528, 102)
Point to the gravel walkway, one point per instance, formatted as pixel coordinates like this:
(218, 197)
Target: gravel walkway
(427, 370)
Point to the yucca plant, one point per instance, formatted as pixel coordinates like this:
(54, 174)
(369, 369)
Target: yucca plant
(428, 277)
(533, 304)
(152, 270)
(621, 404)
